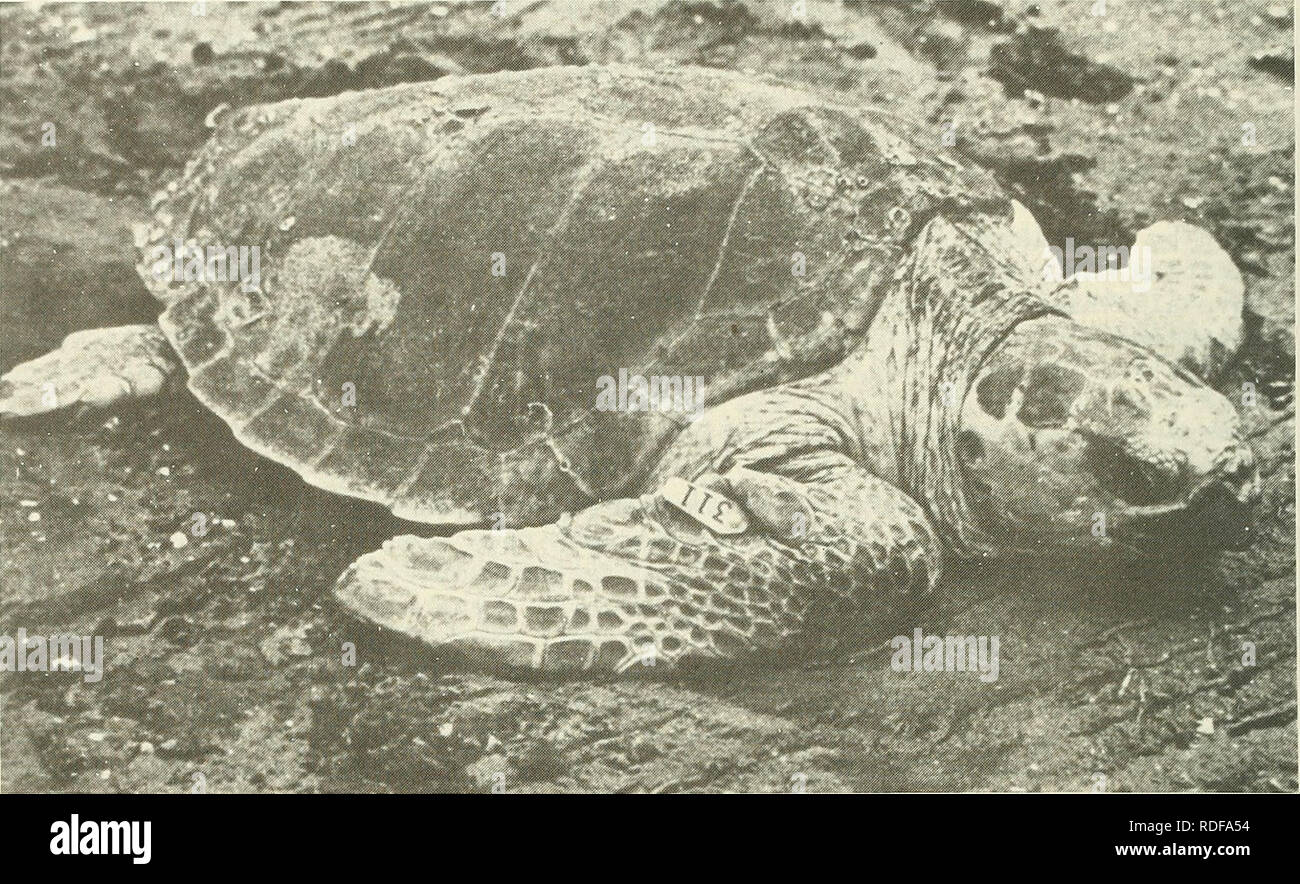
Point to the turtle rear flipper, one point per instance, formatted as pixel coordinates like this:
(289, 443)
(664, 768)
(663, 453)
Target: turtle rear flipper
(94, 368)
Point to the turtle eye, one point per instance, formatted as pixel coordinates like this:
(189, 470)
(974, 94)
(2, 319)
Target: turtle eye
(1050, 391)
(994, 391)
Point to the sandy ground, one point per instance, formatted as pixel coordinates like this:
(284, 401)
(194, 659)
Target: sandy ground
(226, 669)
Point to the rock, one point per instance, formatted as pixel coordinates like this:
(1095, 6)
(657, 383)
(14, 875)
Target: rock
(1271, 298)
(861, 50)
(1279, 15)
(1180, 294)
(491, 772)
(1280, 62)
(68, 263)
(975, 13)
(1038, 59)
(286, 642)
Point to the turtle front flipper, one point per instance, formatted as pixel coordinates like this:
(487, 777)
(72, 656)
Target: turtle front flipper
(638, 581)
(92, 368)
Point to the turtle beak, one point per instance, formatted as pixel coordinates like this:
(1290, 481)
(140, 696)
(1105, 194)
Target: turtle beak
(1218, 513)
(1222, 507)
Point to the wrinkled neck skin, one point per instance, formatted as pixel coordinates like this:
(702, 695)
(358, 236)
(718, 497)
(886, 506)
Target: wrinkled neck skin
(962, 290)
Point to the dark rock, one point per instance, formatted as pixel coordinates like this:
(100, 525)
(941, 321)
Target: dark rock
(860, 50)
(67, 262)
(385, 69)
(1038, 60)
(974, 13)
(1279, 62)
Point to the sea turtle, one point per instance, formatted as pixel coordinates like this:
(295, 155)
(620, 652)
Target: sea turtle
(454, 273)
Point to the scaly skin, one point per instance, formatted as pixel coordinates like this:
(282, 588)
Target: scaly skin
(633, 580)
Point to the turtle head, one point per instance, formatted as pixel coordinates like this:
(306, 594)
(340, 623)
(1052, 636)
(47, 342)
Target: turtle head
(1071, 436)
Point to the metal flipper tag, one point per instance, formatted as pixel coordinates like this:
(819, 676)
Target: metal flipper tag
(705, 506)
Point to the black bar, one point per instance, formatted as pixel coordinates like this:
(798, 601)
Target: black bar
(299, 833)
